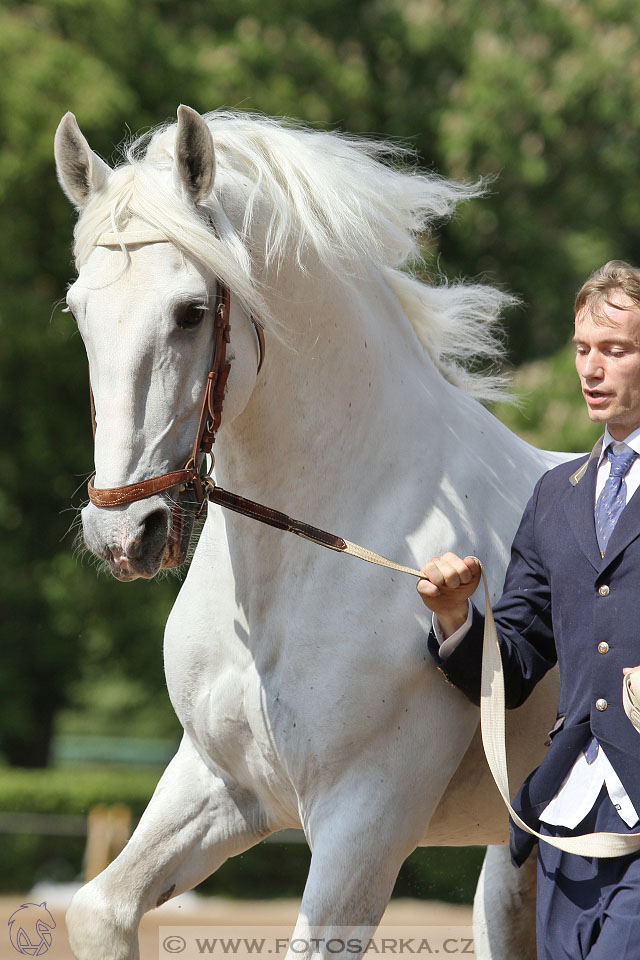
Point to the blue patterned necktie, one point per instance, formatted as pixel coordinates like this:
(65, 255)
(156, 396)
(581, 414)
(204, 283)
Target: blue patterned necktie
(613, 498)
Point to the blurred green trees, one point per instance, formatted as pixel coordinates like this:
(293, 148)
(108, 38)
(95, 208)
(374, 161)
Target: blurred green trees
(550, 411)
(542, 95)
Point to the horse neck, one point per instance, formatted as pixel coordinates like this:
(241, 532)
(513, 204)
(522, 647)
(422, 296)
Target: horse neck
(322, 395)
(349, 397)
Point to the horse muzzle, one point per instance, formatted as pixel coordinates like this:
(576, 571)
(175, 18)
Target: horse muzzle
(142, 538)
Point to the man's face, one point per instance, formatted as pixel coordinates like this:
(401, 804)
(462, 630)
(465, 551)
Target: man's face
(608, 363)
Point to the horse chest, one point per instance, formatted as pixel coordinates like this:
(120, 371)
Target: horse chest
(220, 700)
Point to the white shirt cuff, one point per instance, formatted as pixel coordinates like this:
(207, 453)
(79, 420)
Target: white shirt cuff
(448, 644)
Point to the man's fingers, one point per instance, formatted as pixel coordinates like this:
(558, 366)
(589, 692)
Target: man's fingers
(448, 581)
(454, 570)
(427, 589)
(450, 571)
(431, 571)
(474, 568)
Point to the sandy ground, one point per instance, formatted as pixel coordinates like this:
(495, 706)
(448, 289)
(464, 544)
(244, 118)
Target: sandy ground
(433, 926)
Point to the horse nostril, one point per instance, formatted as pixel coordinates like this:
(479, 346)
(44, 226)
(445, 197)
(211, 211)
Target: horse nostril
(151, 533)
(154, 526)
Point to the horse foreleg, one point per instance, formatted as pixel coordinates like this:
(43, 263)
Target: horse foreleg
(354, 865)
(504, 908)
(192, 824)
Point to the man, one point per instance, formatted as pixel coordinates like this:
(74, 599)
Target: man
(572, 594)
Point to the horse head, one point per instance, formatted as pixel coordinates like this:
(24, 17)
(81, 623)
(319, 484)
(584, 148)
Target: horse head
(308, 230)
(150, 249)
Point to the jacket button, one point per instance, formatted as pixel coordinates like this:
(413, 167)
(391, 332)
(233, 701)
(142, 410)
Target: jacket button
(603, 590)
(603, 647)
(601, 704)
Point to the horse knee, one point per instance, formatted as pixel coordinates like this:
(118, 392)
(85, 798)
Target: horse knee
(96, 927)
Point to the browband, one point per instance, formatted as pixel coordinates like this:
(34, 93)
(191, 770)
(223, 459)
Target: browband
(129, 238)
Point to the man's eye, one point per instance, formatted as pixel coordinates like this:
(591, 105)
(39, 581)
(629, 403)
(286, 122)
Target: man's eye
(190, 315)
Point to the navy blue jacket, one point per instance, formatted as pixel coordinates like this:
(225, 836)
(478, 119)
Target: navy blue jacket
(561, 599)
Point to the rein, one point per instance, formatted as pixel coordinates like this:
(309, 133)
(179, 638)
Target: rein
(492, 701)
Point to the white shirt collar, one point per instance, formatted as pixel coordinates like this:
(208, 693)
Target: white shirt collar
(632, 440)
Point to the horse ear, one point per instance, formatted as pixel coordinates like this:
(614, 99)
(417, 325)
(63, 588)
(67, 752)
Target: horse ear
(195, 158)
(80, 171)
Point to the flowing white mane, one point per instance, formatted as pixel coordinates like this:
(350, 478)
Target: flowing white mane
(349, 202)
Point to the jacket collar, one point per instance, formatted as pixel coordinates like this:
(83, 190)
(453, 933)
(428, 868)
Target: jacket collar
(579, 506)
(576, 477)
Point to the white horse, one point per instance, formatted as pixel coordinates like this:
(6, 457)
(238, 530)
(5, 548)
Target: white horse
(301, 678)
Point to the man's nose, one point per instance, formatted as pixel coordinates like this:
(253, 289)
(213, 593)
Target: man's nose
(593, 366)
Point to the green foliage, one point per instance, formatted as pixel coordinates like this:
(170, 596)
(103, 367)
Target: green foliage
(552, 412)
(29, 856)
(549, 100)
(59, 792)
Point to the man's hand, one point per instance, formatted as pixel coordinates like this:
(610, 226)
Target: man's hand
(448, 583)
(626, 670)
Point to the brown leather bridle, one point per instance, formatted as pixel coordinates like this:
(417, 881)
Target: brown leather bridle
(210, 412)
(210, 416)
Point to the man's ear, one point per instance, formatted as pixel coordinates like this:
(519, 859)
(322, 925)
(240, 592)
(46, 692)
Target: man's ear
(80, 171)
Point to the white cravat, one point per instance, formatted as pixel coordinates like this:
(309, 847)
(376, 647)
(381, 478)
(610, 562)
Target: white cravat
(580, 788)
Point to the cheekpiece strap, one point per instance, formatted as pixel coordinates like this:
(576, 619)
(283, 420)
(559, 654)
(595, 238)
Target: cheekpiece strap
(212, 403)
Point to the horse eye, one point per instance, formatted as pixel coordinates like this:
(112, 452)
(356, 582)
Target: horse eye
(190, 315)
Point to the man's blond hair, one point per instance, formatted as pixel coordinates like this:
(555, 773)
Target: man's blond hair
(596, 291)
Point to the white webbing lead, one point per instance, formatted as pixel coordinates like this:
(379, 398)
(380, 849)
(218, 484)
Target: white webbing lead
(492, 723)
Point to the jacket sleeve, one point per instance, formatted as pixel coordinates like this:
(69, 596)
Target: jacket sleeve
(523, 623)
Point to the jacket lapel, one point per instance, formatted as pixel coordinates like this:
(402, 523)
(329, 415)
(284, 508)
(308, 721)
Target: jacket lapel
(578, 503)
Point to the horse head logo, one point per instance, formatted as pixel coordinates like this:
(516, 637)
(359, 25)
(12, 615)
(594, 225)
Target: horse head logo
(30, 929)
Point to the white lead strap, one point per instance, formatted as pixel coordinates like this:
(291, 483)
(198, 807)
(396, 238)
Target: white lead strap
(492, 724)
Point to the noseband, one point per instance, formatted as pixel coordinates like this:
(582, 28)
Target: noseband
(212, 401)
